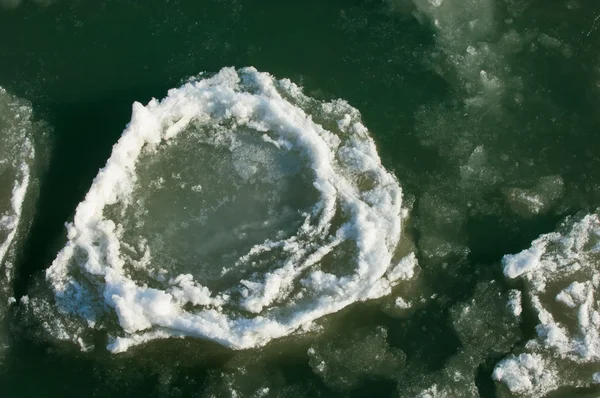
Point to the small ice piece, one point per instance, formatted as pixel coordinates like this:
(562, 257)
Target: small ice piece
(431, 392)
(529, 202)
(9, 4)
(405, 269)
(517, 264)
(402, 304)
(549, 41)
(525, 374)
(573, 295)
(515, 302)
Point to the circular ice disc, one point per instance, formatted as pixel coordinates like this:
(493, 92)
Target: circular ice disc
(236, 209)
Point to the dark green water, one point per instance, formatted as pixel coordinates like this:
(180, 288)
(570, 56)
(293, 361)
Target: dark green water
(82, 64)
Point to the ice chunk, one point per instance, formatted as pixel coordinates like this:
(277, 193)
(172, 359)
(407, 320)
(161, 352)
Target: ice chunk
(486, 328)
(537, 200)
(517, 264)
(229, 211)
(527, 374)
(515, 302)
(19, 166)
(549, 41)
(402, 304)
(343, 362)
(561, 276)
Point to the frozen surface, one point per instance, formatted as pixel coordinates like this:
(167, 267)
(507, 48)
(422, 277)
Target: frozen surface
(237, 210)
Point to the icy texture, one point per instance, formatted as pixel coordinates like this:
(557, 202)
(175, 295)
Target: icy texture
(17, 186)
(236, 210)
(463, 130)
(526, 374)
(486, 328)
(515, 302)
(536, 200)
(255, 374)
(484, 143)
(16, 158)
(345, 361)
(462, 27)
(16, 162)
(562, 276)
